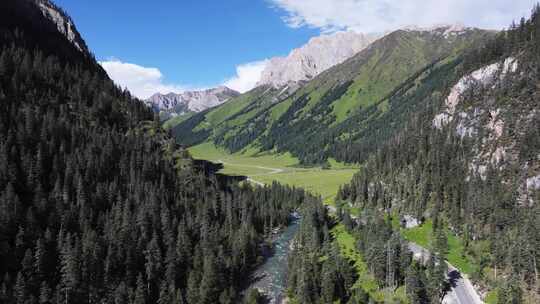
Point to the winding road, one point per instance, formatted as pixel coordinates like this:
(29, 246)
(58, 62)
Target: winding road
(251, 180)
(461, 289)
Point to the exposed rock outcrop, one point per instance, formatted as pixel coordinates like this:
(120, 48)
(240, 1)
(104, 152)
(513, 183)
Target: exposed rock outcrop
(190, 101)
(319, 54)
(63, 22)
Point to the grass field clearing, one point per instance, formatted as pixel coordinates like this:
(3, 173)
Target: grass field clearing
(366, 281)
(422, 235)
(283, 168)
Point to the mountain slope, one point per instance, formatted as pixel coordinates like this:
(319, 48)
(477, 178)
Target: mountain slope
(63, 23)
(334, 108)
(48, 27)
(235, 113)
(467, 166)
(318, 55)
(301, 65)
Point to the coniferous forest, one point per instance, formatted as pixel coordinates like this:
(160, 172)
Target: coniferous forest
(429, 174)
(99, 204)
(426, 173)
(96, 203)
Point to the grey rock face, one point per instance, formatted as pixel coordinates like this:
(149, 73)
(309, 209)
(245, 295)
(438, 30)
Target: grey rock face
(63, 22)
(190, 101)
(318, 55)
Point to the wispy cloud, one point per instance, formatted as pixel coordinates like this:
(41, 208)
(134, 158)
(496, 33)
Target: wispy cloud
(383, 15)
(247, 76)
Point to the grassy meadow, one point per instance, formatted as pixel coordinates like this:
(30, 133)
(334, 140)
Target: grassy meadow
(284, 168)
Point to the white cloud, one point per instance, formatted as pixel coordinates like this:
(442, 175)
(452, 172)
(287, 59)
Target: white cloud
(141, 81)
(384, 15)
(247, 76)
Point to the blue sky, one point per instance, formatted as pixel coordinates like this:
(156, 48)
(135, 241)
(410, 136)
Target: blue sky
(174, 45)
(193, 43)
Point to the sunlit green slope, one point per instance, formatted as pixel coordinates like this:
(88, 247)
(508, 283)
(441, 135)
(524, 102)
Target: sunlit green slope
(339, 108)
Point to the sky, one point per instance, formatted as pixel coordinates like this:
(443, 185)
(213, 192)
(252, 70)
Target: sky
(176, 45)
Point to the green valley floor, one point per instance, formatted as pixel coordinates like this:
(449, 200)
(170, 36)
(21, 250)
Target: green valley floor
(264, 168)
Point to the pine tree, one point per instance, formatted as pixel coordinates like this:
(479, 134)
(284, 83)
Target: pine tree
(70, 271)
(511, 292)
(440, 246)
(328, 281)
(140, 291)
(45, 293)
(210, 284)
(20, 291)
(4, 296)
(414, 283)
(193, 293)
(154, 261)
(121, 294)
(164, 295)
(253, 297)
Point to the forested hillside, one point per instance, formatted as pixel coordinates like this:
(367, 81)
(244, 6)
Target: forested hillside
(470, 172)
(318, 272)
(345, 112)
(447, 137)
(97, 205)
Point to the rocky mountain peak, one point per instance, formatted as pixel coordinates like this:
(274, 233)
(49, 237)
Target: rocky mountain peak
(319, 54)
(190, 101)
(446, 30)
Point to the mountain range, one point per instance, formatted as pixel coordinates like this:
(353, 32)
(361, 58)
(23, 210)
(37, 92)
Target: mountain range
(173, 104)
(100, 204)
(340, 106)
(301, 65)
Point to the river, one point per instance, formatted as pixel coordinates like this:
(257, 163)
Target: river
(271, 277)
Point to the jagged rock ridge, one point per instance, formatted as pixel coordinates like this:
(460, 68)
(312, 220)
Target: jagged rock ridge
(190, 101)
(319, 54)
(446, 30)
(347, 99)
(64, 23)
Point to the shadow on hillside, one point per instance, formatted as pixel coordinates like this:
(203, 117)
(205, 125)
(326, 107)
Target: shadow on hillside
(453, 277)
(210, 168)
